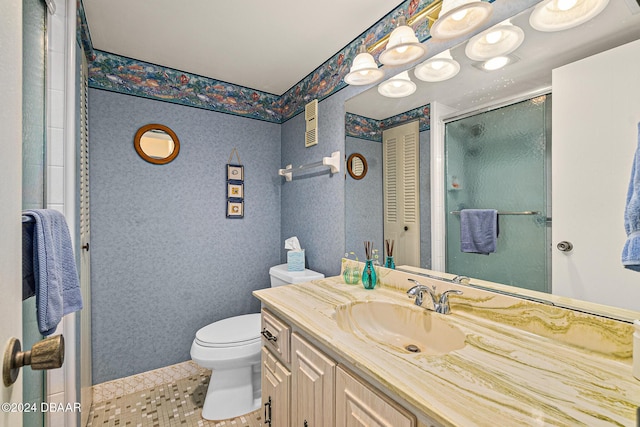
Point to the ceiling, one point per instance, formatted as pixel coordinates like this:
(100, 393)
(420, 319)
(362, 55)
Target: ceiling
(268, 46)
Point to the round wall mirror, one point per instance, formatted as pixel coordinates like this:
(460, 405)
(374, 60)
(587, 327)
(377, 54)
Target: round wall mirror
(357, 166)
(156, 144)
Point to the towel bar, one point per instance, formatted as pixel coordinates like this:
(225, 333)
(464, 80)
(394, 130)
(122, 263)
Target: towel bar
(333, 162)
(505, 213)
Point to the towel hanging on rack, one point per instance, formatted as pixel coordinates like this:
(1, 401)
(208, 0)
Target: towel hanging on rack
(478, 231)
(631, 250)
(57, 288)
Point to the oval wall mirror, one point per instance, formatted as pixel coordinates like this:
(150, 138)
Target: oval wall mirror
(156, 144)
(357, 166)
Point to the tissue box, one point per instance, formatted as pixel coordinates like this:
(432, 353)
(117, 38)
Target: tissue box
(295, 260)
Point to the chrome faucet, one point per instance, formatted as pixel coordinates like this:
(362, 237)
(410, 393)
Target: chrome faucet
(464, 280)
(440, 304)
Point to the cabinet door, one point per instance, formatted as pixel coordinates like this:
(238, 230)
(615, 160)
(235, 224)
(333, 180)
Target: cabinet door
(312, 387)
(358, 405)
(276, 384)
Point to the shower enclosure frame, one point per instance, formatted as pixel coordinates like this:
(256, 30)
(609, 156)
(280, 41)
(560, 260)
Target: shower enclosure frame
(440, 116)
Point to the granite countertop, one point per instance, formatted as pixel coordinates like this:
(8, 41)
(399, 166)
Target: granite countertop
(504, 375)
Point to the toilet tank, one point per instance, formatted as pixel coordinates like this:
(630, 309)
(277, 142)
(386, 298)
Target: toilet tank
(281, 276)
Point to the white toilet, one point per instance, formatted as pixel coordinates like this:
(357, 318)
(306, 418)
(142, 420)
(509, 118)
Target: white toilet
(231, 348)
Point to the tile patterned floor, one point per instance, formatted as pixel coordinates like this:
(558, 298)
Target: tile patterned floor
(177, 403)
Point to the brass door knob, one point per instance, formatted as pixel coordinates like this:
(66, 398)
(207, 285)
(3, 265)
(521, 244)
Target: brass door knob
(45, 354)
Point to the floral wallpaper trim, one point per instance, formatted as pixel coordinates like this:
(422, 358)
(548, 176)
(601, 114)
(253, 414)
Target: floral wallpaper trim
(423, 114)
(130, 76)
(328, 78)
(371, 129)
(362, 127)
(83, 36)
(133, 77)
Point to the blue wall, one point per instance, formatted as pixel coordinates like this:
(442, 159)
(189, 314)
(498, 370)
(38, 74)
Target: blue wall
(364, 204)
(312, 204)
(165, 261)
(363, 200)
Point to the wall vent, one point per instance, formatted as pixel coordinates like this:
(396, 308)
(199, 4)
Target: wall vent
(311, 118)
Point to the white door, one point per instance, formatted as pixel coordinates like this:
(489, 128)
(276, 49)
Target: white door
(401, 172)
(11, 195)
(596, 110)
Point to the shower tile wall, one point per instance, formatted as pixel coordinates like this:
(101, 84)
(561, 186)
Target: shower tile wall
(165, 259)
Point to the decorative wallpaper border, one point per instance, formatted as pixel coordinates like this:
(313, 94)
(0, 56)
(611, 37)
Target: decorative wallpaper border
(82, 32)
(371, 129)
(362, 127)
(133, 77)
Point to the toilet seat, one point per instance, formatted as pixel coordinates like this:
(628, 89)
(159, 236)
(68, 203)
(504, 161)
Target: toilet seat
(231, 332)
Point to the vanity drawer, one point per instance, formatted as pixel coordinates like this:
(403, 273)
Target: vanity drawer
(358, 403)
(276, 335)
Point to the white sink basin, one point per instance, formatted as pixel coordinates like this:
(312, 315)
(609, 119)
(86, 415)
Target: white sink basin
(403, 328)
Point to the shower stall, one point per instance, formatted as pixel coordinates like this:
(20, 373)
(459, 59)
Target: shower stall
(500, 159)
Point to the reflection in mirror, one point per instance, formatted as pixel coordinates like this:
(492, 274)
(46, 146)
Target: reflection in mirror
(156, 144)
(474, 91)
(357, 166)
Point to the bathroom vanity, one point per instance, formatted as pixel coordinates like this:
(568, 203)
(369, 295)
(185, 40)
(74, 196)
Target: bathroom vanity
(336, 354)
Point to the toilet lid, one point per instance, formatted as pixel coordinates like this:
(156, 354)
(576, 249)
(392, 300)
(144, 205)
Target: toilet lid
(238, 330)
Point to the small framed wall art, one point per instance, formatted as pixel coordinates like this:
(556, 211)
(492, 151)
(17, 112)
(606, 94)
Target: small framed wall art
(235, 209)
(235, 187)
(235, 172)
(235, 190)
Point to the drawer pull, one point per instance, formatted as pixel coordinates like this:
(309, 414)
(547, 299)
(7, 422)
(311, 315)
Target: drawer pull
(268, 335)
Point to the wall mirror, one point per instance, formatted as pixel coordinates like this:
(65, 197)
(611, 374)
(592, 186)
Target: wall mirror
(475, 91)
(156, 144)
(357, 166)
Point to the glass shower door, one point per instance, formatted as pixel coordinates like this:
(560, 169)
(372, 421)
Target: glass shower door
(500, 160)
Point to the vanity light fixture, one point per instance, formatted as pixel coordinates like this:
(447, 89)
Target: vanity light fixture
(439, 68)
(364, 69)
(403, 46)
(459, 17)
(397, 86)
(497, 63)
(499, 40)
(558, 15)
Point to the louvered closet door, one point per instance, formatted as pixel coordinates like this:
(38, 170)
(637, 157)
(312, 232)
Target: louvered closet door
(401, 172)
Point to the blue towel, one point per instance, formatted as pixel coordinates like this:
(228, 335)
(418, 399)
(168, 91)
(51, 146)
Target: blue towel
(57, 287)
(631, 251)
(28, 280)
(478, 231)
